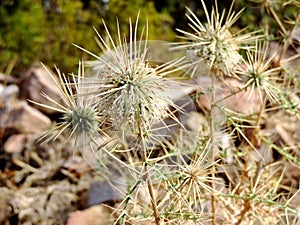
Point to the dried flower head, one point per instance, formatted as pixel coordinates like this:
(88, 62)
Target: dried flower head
(259, 72)
(257, 201)
(130, 91)
(190, 184)
(80, 116)
(213, 42)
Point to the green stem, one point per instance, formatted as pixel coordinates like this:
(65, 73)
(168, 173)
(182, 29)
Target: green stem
(255, 132)
(233, 93)
(277, 19)
(101, 147)
(148, 179)
(122, 216)
(246, 208)
(212, 137)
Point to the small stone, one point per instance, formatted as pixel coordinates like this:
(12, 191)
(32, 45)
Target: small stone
(11, 92)
(23, 118)
(5, 208)
(15, 143)
(8, 94)
(196, 121)
(102, 192)
(241, 102)
(99, 214)
(37, 81)
(31, 120)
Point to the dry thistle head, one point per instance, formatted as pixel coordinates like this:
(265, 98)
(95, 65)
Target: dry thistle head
(213, 42)
(259, 72)
(257, 200)
(189, 185)
(80, 117)
(130, 92)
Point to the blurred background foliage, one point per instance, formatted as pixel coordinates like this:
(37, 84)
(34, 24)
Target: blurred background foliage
(44, 30)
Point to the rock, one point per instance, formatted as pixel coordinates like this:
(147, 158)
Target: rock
(5, 208)
(196, 121)
(99, 214)
(37, 81)
(8, 94)
(15, 143)
(244, 102)
(107, 191)
(77, 165)
(22, 118)
(241, 102)
(30, 120)
(41, 205)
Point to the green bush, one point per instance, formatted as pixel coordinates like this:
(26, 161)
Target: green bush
(28, 33)
(21, 34)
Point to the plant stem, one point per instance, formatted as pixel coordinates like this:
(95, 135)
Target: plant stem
(212, 137)
(231, 94)
(260, 113)
(101, 147)
(126, 201)
(256, 130)
(277, 19)
(257, 127)
(148, 179)
(247, 206)
(244, 211)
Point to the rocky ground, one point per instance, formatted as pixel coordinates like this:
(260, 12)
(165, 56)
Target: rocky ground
(43, 184)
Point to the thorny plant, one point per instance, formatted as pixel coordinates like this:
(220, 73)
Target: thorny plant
(218, 173)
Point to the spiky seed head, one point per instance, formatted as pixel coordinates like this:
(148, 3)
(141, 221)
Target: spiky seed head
(130, 91)
(80, 117)
(259, 73)
(213, 42)
(82, 120)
